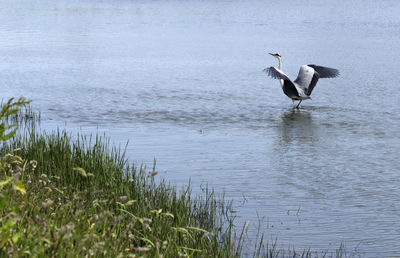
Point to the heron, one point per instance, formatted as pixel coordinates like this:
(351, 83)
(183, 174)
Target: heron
(301, 88)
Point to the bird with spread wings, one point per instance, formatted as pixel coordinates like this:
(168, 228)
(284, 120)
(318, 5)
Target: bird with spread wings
(301, 88)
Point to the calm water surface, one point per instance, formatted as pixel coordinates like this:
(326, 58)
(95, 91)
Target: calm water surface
(182, 81)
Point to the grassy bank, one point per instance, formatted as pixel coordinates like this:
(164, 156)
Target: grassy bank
(73, 196)
(64, 195)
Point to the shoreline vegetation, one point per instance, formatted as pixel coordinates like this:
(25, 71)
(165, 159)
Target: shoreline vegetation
(77, 196)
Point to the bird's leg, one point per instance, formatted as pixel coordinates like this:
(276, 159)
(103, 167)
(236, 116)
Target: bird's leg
(294, 103)
(298, 105)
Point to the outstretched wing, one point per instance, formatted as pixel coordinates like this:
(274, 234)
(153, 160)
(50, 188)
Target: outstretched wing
(310, 74)
(325, 72)
(276, 73)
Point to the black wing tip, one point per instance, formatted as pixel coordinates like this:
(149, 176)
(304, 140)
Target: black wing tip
(266, 70)
(269, 72)
(329, 72)
(334, 72)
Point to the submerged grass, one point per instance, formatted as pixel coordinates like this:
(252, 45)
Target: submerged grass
(64, 195)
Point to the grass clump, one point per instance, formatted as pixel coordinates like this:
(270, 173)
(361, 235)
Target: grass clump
(76, 196)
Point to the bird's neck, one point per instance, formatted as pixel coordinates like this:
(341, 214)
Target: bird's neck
(280, 68)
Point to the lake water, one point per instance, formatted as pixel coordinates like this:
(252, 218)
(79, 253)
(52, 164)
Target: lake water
(183, 82)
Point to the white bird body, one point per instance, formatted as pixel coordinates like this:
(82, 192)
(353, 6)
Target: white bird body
(301, 88)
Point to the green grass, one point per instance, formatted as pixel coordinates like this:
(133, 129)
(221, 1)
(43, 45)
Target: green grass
(68, 196)
(52, 217)
(79, 196)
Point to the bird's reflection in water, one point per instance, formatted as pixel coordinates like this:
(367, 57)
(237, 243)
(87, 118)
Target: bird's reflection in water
(295, 145)
(297, 127)
(297, 154)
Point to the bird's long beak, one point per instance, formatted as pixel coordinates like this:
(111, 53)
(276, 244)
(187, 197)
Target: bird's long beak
(271, 54)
